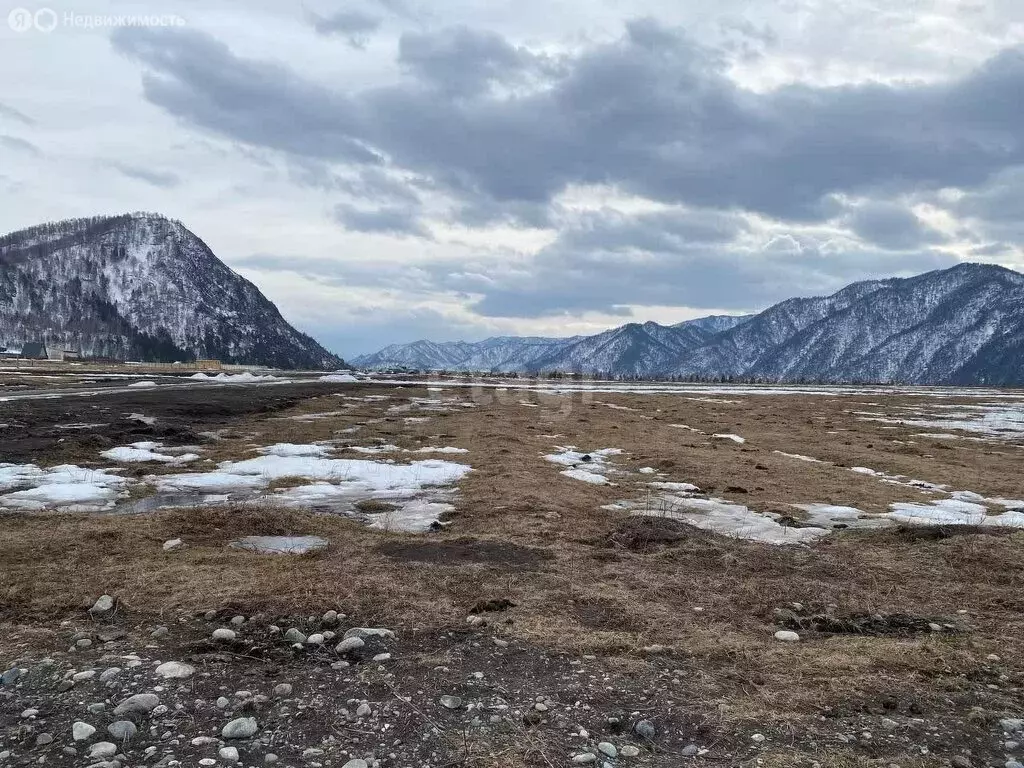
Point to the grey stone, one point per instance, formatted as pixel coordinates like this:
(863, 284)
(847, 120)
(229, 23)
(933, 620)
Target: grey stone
(122, 730)
(139, 704)
(228, 754)
(357, 763)
(645, 729)
(283, 689)
(607, 748)
(585, 758)
(11, 676)
(451, 702)
(690, 750)
(350, 644)
(103, 606)
(240, 728)
(787, 636)
(175, 670)
(82, 731)
(270, 758)
(365, 632)
(101, 750)
(43, 739)
(364, 710)
(293, 635)
(959, 761)
(629, 751)
(224, 634)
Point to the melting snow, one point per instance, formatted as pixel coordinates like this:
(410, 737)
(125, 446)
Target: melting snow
(338, 378)
(799, 457)
(953, 512)
(734, 438)
(281, 545)
(65, 487)
(585, 476)
(145, 451)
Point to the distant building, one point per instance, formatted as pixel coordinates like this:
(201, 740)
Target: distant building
(55, 353)
(34, 350)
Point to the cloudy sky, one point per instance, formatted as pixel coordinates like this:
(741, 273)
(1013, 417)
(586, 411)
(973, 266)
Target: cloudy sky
(387, 170)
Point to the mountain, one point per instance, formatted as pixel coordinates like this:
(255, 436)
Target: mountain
(962, 325)
(142, 287)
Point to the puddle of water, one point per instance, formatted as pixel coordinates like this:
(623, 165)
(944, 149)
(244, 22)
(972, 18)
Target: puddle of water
(281, 545)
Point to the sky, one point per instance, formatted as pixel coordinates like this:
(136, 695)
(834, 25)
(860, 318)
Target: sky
(391, 170)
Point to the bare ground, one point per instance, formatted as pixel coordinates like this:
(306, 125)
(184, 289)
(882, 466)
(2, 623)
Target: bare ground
(679, 621)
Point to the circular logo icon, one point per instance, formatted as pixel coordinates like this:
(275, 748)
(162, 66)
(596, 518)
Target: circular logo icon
(20, 20)
(45, 20)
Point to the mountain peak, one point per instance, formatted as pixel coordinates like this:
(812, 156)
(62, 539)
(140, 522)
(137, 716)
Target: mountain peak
(140, 286)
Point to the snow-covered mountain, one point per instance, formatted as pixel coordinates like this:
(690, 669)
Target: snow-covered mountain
(140, 286)
(963, 325)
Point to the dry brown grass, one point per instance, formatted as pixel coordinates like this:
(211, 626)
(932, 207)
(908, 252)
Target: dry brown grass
(593, 592)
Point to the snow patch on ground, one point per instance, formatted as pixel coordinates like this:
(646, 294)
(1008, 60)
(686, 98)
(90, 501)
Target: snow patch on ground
(799, 457)
(146, 451)
(281, 545)
(338, 378)
(66, 488)
(728, 436)
(952, 512)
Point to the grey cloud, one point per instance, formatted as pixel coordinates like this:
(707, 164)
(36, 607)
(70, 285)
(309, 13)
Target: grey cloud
(392, 220)
(669, 230)
(464, 61)
(653, 113)
(12, 114)
(892, 226)
(198, 79)
(354, 25)
(20, 145)
(162, 179)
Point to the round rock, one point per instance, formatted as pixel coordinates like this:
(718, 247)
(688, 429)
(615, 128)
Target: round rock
(787, 636)
(81, 731)
(175, 670)
(139, 704)
(122, 730)
(240, 728)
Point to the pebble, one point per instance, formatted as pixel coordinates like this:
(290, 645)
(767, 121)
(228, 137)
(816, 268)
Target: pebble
(787, 636)
(159, 632)
(350, 644)
(109, 674)
(690, 750)
(607, 748)
(11, 676)
(87, 675)
(224, 634)
(101, 750)
(172, 544)
(959, 761)
(43, 739)
(81, 731)
(584, 758)
(222, 702)
(206, 762)
(630, 751)
(122, 730)
(228, 754)
(29, 713)
(451, 702)
(237, 621)
(139, 704)
(331, 617)
(240, 728)
(365, 632)
(315, 639)
(293, 635)
(364, 710)
(270, 758)
(356, 764)
(175, 670)
(283, 689)
(102, 606)
(382, 657)
(645, 729)
(758, 738)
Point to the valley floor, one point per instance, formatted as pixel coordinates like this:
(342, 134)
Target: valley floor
(605, 584)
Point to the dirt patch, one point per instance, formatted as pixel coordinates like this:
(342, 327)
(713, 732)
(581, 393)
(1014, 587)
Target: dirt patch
(465, 551)
(375, 506)
(642, 534)
(896, 624)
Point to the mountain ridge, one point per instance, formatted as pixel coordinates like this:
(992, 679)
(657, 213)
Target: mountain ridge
(960, 325)
(140, 286)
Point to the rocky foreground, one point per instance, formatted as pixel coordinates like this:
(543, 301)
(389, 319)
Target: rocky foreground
(224, 689)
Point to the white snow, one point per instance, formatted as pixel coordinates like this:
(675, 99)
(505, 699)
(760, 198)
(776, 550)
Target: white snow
(829, 515)
(281, 545)
(676, 487)
(65, 487)
(146, 383)
(729, 436)
(294, 449)
(233, 378)
(647, 470)
(146, 451)
(733, 520)
(953, 512)
(338, 378)
(585, 476)
(444, 449)
(799, 457)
